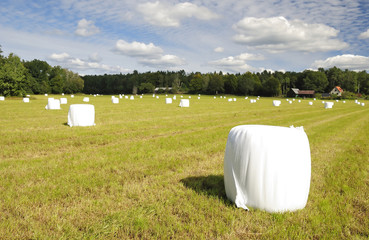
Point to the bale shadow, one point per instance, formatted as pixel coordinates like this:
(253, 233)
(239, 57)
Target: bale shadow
(212, 185)
(65, 124)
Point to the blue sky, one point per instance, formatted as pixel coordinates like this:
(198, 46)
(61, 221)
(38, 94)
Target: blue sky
(119, 36)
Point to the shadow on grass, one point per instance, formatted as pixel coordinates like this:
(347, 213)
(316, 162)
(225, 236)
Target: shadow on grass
(212, 185)
(65, 124)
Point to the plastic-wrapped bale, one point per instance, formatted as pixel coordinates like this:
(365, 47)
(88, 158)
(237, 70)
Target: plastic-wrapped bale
(174, 97)
(168, 100)
(290, 102)
(115, 100)
(276, 103)
(267, 167)
(53, 104)
(363, 104)
(230, 99)
(81, 115)
(63, 100)
(132, 98)
(184, 103)
(328, 105)
(234, 99)
(86, 99)
(26, 100)
(2, 98)
(72, 96)
(310, 103)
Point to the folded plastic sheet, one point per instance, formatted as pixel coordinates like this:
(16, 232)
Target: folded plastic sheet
(267, 167)
(184, 103)
(81, 115)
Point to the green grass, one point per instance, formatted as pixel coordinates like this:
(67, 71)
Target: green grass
(150, 170)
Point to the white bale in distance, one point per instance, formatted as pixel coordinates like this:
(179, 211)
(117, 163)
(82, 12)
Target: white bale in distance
(184, 103)
(221, 96)
(115, 100)
(132, 98)
(140, 96)
(276, 103)
(94, 95)
(168, 100)
(336, 100)
(267, 167)
(290, 102)
(225, 97)
(112, 97)
(323, 102)
(166, 95)
(125, 97)
(314, 99)
(189, 97)
(356, 101)
(198, 97)
(86, 99)
(230, 99)
(62, 94)
(328, 105)
(181, 96)
(344, 101)
(45, 94)
(287, 100)
(293, 99)
(28, 95)
(299, 101)
(157, 97)
(2, 98)
(362, 104)
(310, 103)
(215, 97)
(234, 99)
(153, 95)
(82, 115)
(246, 97)
(257, 98)
(53, 104)
(72, 96)
(63, 100)
(120, 96)
(26, 100)
(174, 97)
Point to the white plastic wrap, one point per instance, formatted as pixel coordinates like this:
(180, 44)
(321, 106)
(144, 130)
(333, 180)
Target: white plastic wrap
(81, 115)
(86, 99)
(328, 104)
(184, 103)
(168, 100)
(276, 103)
(63, 100)
(53, 104)
(267, 167)
(26, 100)
(2, 98)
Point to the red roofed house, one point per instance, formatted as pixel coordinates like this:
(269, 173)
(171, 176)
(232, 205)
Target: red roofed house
(337, 90)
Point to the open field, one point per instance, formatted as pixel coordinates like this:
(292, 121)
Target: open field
(150, 170)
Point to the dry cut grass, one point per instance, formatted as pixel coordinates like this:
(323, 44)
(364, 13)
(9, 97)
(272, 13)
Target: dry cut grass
(148, 170)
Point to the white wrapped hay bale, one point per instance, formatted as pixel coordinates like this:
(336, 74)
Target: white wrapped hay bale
(344, 101)
(168, 101)
(72, 96)
(290, 102)
(115, 100)
(267, 167)
(81, 115)
(2, 98)
(63, 100)
(26, 100)
(174, 97)
(328, 105)
(276, 103)
(310, 103)
(53, 104)
(246, 97)
(125, 97)
(299, 101)
(132, 98)
(234, 99)
(140, 96)
(356, 101)
(184, 103)
(46, 95)
(362, 104)
(86, 99)
(230, 99)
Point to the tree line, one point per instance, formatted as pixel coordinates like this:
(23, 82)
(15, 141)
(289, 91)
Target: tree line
(19, 77)
(263, 83)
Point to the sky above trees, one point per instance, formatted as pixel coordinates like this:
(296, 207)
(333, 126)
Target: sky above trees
(111, 36)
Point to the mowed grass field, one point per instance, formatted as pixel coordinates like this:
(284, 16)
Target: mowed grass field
(150, 170)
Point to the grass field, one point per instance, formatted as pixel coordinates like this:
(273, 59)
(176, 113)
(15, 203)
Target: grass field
(150, 170)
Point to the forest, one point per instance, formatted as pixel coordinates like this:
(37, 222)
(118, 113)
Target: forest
(19, 77)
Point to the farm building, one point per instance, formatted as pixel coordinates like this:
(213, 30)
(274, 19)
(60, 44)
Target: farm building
(337, 90)
(295, 92)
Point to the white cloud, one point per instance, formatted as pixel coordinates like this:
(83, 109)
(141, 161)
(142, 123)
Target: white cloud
(219, 49)
(364, 35)
(94, 57)
(59, 57)
(346, 61)
(137, 49)
(66, 61)
(86, 28)
(277, 34)
(237, 63)
(163, 61)
(166, 15)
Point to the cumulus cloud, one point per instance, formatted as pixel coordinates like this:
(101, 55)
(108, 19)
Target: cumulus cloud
(137, 49)
(237, 63)
(165, 60)
(160, 14)
(346, 61)
(219, 49)
(147, 54)
(364, 35)
(94, 57)
(65, 60)
(86, 28)
(277, 34)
